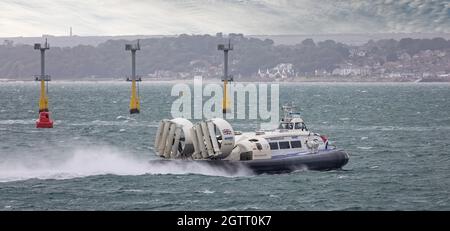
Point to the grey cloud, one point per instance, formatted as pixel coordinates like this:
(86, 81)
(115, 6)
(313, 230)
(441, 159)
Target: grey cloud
(111, 17)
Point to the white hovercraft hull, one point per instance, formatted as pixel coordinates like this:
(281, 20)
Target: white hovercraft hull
(322, 161)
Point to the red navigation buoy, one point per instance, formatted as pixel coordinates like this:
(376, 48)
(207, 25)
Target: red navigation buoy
(44, 120)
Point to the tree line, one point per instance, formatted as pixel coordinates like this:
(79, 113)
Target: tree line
(188, 52)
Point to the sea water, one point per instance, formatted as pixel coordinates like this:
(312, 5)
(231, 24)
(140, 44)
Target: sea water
(97, 155)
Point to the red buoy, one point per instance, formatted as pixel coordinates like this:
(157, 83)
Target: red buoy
(44, 120)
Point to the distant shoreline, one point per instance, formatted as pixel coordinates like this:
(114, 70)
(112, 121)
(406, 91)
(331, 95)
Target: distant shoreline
(299, 80)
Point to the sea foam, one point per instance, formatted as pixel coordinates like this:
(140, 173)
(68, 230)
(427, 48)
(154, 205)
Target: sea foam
(90, 161)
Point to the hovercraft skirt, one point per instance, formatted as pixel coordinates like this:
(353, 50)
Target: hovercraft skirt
(322, 161)
(328, 160)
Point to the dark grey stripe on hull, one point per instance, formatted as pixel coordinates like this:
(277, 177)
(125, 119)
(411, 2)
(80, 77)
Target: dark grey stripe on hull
(323, 161)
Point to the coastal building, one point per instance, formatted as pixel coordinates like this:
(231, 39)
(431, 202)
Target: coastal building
(347, 70)
(280, 71)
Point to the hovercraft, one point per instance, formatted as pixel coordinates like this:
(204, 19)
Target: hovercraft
(287, 148)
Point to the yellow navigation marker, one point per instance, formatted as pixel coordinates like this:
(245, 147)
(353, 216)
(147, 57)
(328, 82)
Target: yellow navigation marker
(135, 106)
(226, 78)
(134, 102)
(43, 99)
(226, 100)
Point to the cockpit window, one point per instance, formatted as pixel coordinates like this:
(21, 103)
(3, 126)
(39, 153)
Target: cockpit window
(258, 146)
(283, 126)
(300, 125)
(286, 126)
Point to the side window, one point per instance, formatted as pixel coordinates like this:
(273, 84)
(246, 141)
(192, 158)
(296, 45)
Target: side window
(284, 145)
(258, 146)
(273, 145)
(298, 125)
(296, 144)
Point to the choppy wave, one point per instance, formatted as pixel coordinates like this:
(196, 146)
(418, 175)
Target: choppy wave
(364, 148)
(128, 123)
(382, 128)
(11, 122)
(83, 162)
(406, 166)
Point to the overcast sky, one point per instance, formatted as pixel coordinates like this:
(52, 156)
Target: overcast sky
(161, 17)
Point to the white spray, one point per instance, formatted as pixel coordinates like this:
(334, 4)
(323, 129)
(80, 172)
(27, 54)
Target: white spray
(89, 161)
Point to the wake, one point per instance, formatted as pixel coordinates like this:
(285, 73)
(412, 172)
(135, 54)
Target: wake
(91, 161)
